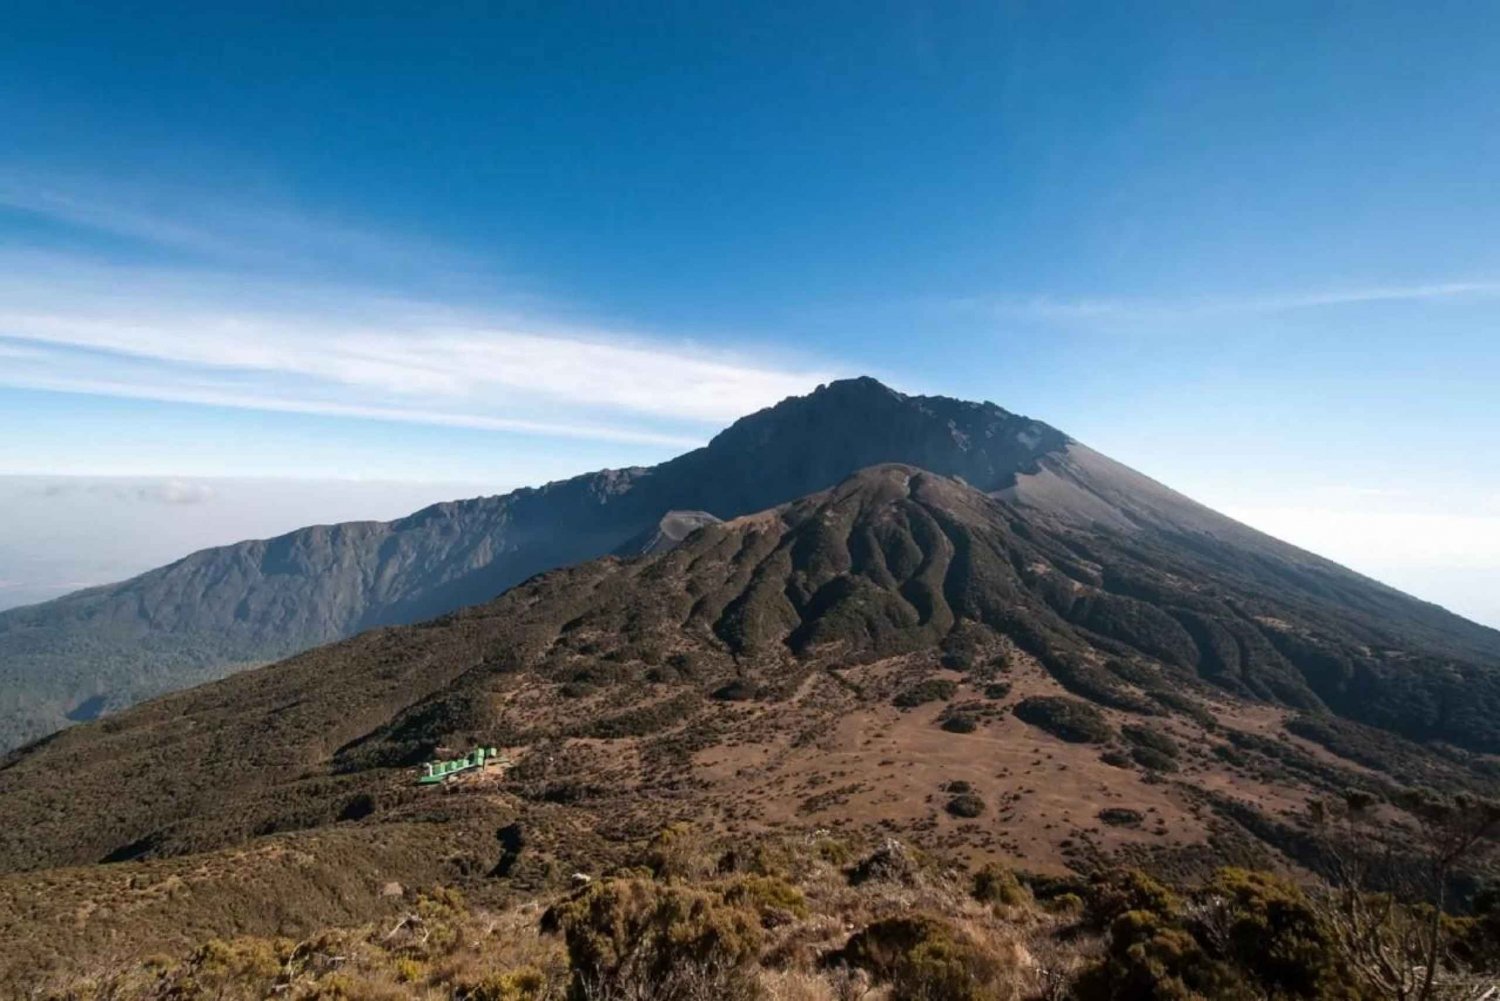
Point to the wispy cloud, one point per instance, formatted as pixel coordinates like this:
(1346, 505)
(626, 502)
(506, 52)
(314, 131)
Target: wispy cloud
(412, 367)
(230, 226)
(297, 338)
(1148, 309)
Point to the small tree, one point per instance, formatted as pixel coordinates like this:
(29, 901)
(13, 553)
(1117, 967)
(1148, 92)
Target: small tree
(1390, 892)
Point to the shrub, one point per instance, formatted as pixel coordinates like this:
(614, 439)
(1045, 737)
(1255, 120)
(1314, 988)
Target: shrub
(677, 852)
(967, 805)
(1230, 754)
(1242, 935)
(1267, 926)
(577, 689)
(1112, 894)
(1191, 708)
(892, 862)
(995, 884)
(959, 660)
(738, 690)
(1151, 758)
(1065, 718)
(997, 690)
(410, 971)
(1065, 903)
(635, 937)
(931, 690)
(1116, 759)
(1151, 959)
(772, 898)
(526, 984)
(960, 723)
(1119, 816)
(925, 958)
(1142, 736)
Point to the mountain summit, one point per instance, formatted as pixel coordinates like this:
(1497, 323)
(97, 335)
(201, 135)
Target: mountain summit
(223, 609)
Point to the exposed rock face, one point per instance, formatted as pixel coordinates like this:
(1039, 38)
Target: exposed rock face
(667, 533)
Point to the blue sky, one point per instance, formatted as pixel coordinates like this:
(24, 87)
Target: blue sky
(1248, 249)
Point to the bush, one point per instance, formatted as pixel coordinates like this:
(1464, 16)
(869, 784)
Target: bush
(677, 852)
(967, 805)
(1065, 718)
(1142, 736)
(1269, 928)
(995, 884)
(1112, 894)
(527, 984)
(1151, 758)
(925, 958)
(738, 690)
(997, 690)
(637, 938)
(1191, 708)
(1151, 959)
(960, 723)
(772, 898)
(931, 690)
(1119, 816)
(1242, 935)
(892, 862)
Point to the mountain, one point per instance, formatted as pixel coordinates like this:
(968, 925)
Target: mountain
(1107, 687)
(222, 609)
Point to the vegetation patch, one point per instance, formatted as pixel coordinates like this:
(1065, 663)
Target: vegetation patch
(1153, 760)
(926, 958)
(995, 884)
(967, 805)
(1068, 719)
(1119, 816)
(960, 723)
(1142, 736)
(930, 690)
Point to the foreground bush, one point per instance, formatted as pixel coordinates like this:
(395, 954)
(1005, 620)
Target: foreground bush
(1241, 935)
(634, 938)
(927, 958)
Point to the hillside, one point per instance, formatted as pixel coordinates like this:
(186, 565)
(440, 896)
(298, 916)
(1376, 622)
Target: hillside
(222, 609)
(848, 662)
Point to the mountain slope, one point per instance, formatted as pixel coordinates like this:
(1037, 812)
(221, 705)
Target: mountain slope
(834, 662)
(893, 563)
(837, 662)
(224, 608)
